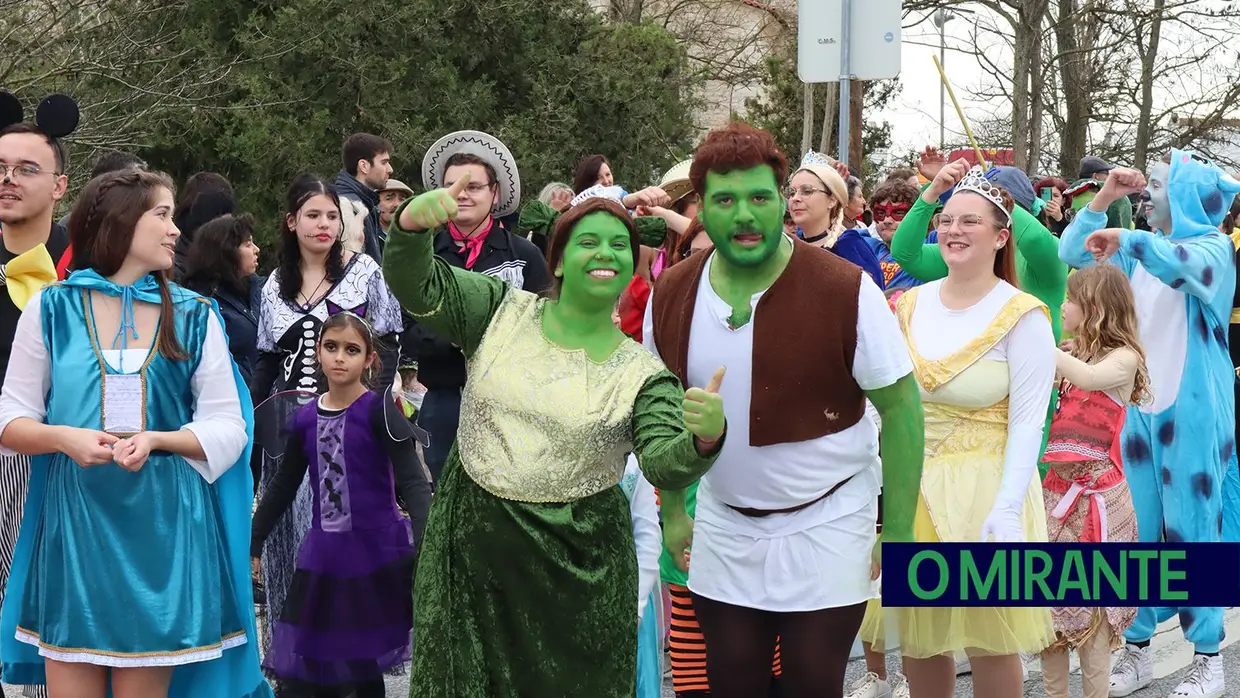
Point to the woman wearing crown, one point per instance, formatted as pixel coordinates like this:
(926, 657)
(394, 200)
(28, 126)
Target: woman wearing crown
(983, 354)
(817, 196)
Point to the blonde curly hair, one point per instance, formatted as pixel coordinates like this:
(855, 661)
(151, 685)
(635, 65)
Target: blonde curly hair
(1109, 320)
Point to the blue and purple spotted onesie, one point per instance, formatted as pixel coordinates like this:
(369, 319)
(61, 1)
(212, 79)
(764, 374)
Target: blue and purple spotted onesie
(1180, 450)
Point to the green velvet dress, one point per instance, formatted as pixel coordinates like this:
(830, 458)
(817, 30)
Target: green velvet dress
(527, 579)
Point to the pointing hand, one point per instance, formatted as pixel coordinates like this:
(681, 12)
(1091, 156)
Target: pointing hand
(434, 208)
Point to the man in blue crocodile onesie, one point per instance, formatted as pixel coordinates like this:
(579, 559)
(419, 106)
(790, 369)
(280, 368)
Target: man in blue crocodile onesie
(1179, 450)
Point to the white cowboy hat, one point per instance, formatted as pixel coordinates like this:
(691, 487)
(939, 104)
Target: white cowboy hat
(485, 146)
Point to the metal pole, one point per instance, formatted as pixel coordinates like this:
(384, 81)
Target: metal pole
(845, 80)
(807, 122)
(942, 87)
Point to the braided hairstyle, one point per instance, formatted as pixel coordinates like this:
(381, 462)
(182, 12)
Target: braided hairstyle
(101, 230)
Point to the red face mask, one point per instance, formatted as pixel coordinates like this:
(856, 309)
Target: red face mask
(895, 211)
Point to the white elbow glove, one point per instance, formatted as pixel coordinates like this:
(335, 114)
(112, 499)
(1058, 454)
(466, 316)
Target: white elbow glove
(1019, 468)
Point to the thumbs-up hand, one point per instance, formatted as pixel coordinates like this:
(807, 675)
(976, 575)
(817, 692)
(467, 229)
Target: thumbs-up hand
(434, 208)
(704, 410)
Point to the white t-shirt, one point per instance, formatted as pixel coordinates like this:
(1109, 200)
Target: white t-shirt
(784, 475)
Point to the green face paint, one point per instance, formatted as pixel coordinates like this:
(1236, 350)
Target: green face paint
(598, 262)
(743, 213)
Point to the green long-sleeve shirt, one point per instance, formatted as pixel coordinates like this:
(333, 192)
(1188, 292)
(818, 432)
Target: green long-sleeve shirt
(1038, 267)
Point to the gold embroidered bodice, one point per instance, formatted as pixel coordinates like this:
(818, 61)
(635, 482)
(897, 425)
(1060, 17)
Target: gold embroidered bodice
(965, 398)
(544, 424)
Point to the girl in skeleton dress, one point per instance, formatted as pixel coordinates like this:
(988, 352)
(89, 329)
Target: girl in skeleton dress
(311, 283)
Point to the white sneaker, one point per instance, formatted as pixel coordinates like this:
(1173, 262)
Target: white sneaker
(1024, 666)
(963, 665)
(899, 686)
(1132, 670)
(1204, 680)
(869, 686)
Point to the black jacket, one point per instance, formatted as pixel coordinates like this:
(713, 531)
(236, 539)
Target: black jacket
(514, 259)
(241, 322)
(348, 186)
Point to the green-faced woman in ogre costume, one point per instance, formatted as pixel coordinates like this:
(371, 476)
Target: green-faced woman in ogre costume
(526, 581)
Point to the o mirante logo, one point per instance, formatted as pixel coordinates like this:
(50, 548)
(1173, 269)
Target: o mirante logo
(1061, 574)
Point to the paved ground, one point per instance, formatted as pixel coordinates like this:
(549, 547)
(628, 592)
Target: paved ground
(1171, 656)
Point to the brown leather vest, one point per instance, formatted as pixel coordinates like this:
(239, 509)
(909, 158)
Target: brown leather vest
(805, 335)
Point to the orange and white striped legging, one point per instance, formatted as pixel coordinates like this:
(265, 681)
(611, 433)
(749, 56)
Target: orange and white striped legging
(688, 647)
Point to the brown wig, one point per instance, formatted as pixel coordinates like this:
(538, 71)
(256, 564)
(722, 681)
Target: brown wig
(564, 225)
(586, 175)
(1109, 320)
(737, 146)
(101, 229)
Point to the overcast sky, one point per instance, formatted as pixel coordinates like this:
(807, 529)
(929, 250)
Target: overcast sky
(914, 112)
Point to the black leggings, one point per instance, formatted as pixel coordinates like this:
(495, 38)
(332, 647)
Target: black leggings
(814, 649)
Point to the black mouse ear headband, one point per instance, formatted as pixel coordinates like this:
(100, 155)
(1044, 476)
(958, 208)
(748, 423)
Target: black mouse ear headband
(57, 115)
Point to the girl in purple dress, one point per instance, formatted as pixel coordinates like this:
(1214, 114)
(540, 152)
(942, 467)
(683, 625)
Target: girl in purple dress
(349, 612)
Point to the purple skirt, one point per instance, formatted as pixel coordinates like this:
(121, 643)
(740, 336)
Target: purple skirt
(348, 617)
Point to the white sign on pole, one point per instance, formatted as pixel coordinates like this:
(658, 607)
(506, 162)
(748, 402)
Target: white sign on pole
(874, 39)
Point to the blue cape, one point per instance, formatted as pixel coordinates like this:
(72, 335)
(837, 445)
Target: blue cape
(237, 674)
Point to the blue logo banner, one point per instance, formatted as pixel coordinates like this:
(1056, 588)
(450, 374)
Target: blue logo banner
(1061, 574)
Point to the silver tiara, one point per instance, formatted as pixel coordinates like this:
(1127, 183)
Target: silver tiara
(814, 157)
(598, 191)
(976, 182)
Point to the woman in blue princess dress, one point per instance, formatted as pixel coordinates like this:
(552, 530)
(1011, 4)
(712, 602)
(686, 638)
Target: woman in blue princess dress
(131, 569)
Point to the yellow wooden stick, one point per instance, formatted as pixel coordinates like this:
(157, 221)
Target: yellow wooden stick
(981, 160)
